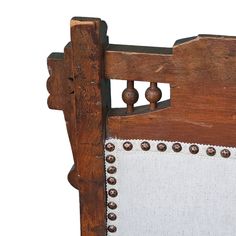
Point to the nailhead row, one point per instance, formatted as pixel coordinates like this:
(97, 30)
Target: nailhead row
(176, 147)
(110, 159)
(145, 146)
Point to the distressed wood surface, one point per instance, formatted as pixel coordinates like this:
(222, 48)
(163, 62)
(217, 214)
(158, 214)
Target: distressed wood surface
(77, 87)
(201, 72)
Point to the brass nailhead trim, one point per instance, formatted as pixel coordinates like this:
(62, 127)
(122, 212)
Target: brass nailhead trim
(161, 147)
(127, 146)
(145, 146)
(112, 205)
(111, 180)
(111, 169)
(194, 149)
(176, 147)
(112, 228)
(112, 216)
(110, 159)
(225, 153)
(110, 147)
(211, 151)
(112, 192)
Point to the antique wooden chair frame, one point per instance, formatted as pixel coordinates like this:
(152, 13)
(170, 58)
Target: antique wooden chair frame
(202, 108)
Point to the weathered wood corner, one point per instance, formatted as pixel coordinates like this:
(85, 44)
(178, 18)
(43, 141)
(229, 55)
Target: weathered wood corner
(78, 88)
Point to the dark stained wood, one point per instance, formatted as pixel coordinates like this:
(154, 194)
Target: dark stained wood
(84, 106)
(201, 72)
(130, 96)
(153, 94)
(139, 64)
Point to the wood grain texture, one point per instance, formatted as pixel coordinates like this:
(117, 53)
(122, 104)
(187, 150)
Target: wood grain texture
(201, 72)
(84, 106)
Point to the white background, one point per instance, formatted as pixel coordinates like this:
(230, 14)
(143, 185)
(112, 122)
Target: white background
(35, 155)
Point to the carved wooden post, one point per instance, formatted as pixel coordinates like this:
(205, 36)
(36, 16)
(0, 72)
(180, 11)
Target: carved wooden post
(78, 87)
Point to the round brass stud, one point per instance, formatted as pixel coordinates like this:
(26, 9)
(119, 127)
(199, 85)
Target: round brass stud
(111, 216)
(112, 228)
(176, 147)
(145, 146)
(111, 180)
(110, 159)
(112, 192)
(127, 146)
(161, 147)
(110, 147)
(194, 149)
(111, 169)
(112, 205)
(225, 153)
(211, 151)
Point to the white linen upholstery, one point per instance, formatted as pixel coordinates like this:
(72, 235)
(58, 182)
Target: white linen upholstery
(172, 194)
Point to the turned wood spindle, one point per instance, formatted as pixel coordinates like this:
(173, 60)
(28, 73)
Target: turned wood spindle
(153, 94)
(130, 96)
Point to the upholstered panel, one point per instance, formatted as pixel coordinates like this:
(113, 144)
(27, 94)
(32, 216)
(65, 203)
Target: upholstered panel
(177, 190)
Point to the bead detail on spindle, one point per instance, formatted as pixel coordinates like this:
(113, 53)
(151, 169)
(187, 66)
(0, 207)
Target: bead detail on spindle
(130, 96)
(153, 94)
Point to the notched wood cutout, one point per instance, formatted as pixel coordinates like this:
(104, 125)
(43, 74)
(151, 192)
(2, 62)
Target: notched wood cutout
(201, 72)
